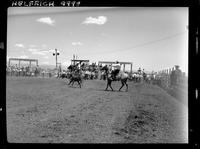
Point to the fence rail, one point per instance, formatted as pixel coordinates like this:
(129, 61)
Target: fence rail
(30, 74)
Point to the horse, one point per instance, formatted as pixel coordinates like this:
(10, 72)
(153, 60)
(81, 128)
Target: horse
(63, 75)
(149, 78)
(122, 76)
(87, 75)
(138, 78)
(75, 77)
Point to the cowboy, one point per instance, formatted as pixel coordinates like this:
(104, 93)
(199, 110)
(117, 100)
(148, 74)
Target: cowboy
(116, 69)
(139, 70)
(144, 74)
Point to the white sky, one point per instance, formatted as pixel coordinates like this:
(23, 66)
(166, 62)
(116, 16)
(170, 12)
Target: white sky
(151, 38)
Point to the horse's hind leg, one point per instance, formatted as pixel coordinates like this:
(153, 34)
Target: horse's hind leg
(121, 86)
(126, 86)
(107, 86)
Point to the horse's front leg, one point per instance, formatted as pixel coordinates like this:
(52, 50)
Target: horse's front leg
(73, 82)
(70, 82)
(79, 84)
(110, 86)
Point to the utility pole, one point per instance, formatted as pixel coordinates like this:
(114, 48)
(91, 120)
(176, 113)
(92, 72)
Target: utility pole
(74, 59)
(55, 54)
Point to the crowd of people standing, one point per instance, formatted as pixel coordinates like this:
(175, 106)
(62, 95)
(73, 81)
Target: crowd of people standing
(94, 71)
(15, 70)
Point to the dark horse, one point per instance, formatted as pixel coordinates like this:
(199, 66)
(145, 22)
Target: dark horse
(121, 76)
(72, 68)
(75, 77)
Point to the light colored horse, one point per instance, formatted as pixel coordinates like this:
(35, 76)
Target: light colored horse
(122, 76)
(87, 74)
(137, 77)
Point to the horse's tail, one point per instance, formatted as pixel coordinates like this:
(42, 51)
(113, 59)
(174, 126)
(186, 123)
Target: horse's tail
(130, 78)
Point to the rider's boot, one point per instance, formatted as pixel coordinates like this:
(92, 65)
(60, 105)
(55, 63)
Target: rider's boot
(114, 78)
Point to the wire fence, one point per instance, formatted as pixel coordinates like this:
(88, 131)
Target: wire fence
(174, 81)
(170, 78)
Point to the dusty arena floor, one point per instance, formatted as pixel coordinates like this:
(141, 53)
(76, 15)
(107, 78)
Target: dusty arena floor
(47, 110)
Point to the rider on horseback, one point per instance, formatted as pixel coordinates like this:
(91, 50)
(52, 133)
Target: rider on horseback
(116, 70)
(139, 71)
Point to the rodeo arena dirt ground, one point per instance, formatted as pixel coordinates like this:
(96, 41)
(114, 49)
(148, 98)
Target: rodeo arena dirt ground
(47, 110)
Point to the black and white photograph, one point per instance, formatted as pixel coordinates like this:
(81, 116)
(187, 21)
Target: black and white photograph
(97, 75)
